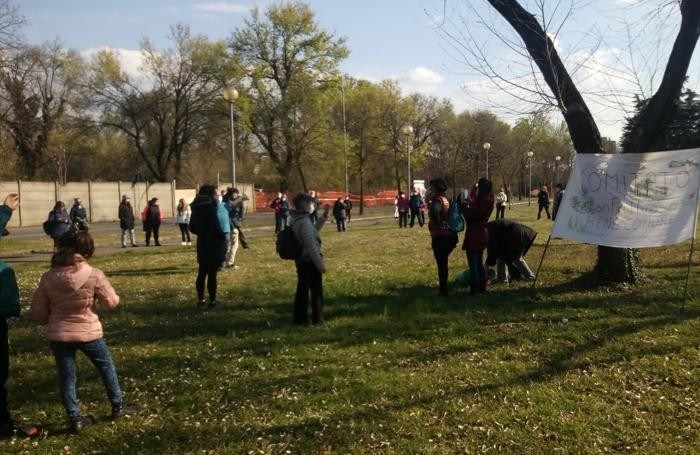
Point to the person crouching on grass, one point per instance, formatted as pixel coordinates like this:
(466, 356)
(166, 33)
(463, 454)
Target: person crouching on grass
(310, 266)
(66, 299)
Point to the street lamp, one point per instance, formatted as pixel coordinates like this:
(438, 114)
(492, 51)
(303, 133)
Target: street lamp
(407, 130)
(231, 95)
(557, 159)
(530, 154)
(487, 147)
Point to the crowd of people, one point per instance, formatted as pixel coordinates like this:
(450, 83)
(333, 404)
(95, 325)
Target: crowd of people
(68, 292)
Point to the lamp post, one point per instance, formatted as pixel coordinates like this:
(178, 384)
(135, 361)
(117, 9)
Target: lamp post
(530, 154)
(231, 95)
(487, 147)
(407, 130)
(345, 136)
(557, 159)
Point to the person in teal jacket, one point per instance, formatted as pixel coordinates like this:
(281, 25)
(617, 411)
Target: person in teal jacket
(9, 308)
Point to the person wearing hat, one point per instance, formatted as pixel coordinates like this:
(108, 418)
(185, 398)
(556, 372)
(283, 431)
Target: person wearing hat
(152, 216)
(543, 203)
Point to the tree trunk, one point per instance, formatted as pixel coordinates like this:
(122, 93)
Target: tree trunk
(362, 190)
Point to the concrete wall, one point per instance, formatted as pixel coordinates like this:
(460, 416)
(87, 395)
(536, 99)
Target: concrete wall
(101, 199)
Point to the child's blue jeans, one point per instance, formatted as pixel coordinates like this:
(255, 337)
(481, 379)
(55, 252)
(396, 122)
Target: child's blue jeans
(99, 355)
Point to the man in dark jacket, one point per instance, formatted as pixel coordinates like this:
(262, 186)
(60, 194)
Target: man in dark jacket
(339, 214)
(59, 221)
(508, 243)
(152, 217)
(543, 202)
(348, 209)
(126, 221)
(211, 242)
(415, 203)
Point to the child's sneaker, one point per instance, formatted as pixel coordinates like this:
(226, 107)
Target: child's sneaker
(77, 424)
(123, 411)
(212, 304)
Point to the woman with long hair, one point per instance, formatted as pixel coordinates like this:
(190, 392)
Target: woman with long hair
(443, 240)
(211, 242)
(183, 221)
(476, 210)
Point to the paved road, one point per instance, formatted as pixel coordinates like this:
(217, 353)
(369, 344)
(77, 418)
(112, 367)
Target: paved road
(171, 237)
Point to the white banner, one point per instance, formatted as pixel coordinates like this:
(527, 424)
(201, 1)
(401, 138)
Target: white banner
(631, 200)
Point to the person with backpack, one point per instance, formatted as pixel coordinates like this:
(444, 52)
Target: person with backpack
(126, 220)
(183, 221)
(58, 222)
(66, 299)
(443, 239)
(152, 216)
(402, 206)
(415, 203)
(309, 264)
(476, 209)
(78, 215)
(211, 242)
(339, 214)
(9, 307)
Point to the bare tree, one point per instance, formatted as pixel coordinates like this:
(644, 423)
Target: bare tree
(614, 264)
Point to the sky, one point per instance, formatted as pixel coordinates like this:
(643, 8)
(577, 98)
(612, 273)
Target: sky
(607, 44)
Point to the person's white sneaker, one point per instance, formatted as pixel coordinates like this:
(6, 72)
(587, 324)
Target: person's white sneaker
(189, 243)
(183, 243)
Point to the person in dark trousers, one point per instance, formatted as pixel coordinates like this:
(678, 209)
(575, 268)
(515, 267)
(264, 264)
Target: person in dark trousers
(402, 205)
(152, 216)
(558, 197)
(275, 205)
(339, 214)
(443, 240)
(211, 242)
(543, 203)
(183, 221)
(476, 210)
(7, 425)
(126, 221)
(415, 203)
(501, 200)
(348, 209)
(310, 266)
(78, 215)
(59, 221)
(509, 242)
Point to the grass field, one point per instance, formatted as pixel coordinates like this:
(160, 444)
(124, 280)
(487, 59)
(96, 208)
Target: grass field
(568, 367)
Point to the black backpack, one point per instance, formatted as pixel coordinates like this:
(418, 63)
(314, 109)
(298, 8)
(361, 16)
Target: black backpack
(9, 293)
(288, 247)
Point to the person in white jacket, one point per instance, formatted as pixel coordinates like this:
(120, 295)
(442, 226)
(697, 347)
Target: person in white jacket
(183, 220)
(310, 265)
(501, 200)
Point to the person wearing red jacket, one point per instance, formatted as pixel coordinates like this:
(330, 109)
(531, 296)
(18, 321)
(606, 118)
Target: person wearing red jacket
(476, 210)
(152, 216)
(276, 205)
(402, 205)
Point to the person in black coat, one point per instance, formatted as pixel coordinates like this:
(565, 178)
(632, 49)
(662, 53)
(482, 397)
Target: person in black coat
(339, 214)
(152, 217)
(509, 241)
(78, 215)
(126, 221)
(543, 202)
(211, 242)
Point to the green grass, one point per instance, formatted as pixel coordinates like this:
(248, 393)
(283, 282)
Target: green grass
(567, 367)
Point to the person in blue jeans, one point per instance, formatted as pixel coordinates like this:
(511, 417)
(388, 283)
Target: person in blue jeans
(66, 298)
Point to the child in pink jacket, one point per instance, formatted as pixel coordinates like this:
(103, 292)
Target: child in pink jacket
(66, 299)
